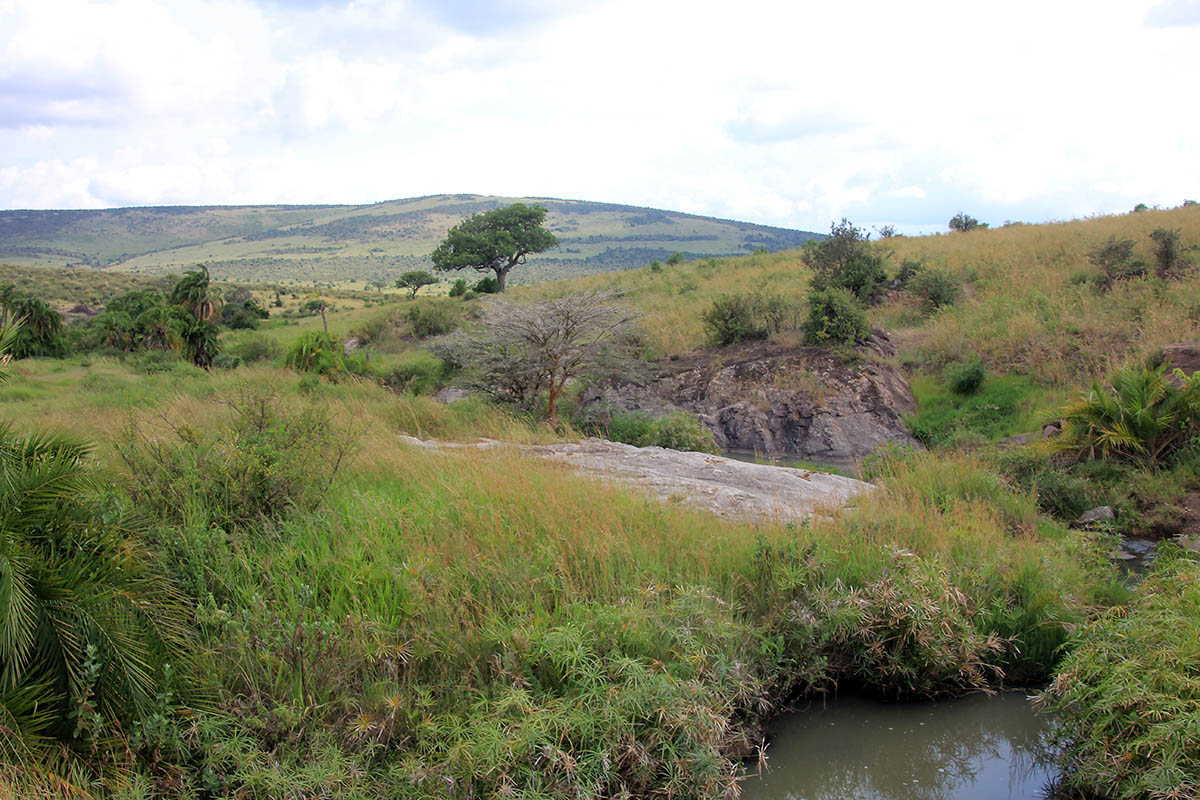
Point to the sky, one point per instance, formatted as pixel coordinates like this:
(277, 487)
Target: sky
(785, 113)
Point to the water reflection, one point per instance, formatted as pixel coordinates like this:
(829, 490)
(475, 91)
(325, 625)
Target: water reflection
(976, 747)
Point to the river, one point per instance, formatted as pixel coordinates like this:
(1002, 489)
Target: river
(977, 747)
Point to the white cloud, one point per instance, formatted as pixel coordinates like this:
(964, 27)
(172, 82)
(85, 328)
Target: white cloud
(787, 114)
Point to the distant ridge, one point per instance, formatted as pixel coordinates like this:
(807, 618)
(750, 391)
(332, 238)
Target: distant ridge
(340, 244)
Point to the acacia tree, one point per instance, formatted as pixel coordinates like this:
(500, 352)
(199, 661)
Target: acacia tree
(521, 349)
(495, 241)
(414, 280)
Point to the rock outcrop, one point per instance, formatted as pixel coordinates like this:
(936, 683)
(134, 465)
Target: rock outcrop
(723, 486)
(804, 401)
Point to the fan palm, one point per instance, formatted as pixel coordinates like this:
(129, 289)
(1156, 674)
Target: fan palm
(198, 340)
(195, 294)
(84, 620)
(1141, 416)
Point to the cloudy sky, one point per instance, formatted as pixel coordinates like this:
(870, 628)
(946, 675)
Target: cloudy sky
(787, 113)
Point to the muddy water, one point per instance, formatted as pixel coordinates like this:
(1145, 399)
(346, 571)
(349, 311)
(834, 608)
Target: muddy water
(849, 468)
(971, 748)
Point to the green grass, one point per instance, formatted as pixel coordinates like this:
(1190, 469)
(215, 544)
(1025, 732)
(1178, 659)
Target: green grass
(1005, 405)
(496, 621)
(1127, 699)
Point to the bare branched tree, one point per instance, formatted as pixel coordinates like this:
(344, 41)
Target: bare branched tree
(521, 349)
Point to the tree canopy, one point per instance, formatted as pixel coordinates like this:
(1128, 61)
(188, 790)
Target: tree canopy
(495, 241)
(413, 280)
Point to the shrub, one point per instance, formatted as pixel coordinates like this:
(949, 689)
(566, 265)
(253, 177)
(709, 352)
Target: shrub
(733, 319)
(419, 373)
(674, 259)
(963, 222)
(845, 260)
(1115, 260)
(909, 268)
(834, 317)
(256, 348)
(935, 288)
(258, 463)
(459, 287)
(432, 318)
(965, 377)
(488, 285)
(1169, 260)
(1127, 700)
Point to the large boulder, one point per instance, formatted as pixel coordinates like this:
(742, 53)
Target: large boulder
(800, 401)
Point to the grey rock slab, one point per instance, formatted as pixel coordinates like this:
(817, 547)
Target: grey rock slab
(1098, 514)
(724, 486)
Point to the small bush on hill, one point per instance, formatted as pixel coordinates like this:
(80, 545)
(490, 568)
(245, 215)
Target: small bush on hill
(965, 377)
(909, 268)
(488, 285)
(834, 318)
(733, 319)
(459, 287)
(846, 260)
(963, 222)
(1115, 260)
(934, 288)
(1169, 260)
(419, 373)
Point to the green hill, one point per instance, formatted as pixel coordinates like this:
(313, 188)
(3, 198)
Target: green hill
(356, 245)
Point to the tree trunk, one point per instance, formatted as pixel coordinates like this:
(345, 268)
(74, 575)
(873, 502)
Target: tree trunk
(502, 277)
(324, 321)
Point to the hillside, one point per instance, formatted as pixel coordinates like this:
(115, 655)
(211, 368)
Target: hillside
(355, 245)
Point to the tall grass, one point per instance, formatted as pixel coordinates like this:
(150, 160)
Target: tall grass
(482, 623)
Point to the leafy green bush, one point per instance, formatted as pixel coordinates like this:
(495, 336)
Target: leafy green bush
(459, 287)
(488, 285)
(1169, 260)
(259, 463)
(845, 260)
(733, 318)
(935, 289)
(834, 318)
(1127, 698)
(965, 377)
(432, 317)
(257, 347)
(419, 373)
(1115, 261)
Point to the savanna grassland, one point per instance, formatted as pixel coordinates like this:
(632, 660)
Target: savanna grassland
(309, 606)
(355, 247)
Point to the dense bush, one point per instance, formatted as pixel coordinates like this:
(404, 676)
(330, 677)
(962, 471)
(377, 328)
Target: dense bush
(433, 317)
(418, 373)
(1169, 258)
(846, 260)
(488, 285)
(834, 318)
(257, 464)
(1115, 261)
(257, 347)
(459, 287)
(965, 377)
(934, 288)
(733, 318)
(1127, 699)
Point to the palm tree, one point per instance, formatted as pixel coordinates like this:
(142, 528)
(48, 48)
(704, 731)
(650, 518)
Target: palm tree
(1140, 417)
(40, 326)
(194, 293)
(198, 340)
(84, 621)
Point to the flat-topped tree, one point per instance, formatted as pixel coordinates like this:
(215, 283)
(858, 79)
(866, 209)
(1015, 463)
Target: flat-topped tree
(495, 241)
(414, 280)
